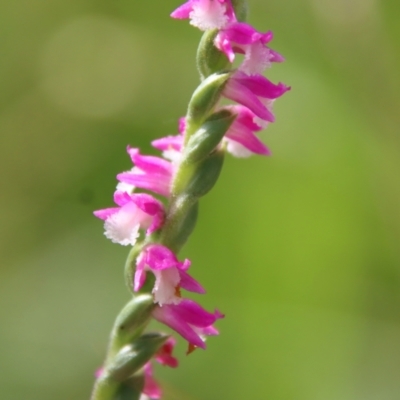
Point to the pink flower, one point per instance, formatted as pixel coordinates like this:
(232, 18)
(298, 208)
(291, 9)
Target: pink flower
(168, 143)
(252, 91)
(171, 146)
(189, 319)
(164, 357)
(149, 173)
(242, 38)
(240, 137)
(151, 387)
(206, 14)
(135, 211)
(170, 274)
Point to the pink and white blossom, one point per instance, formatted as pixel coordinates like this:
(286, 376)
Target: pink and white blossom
(242, 38)
(125, 187)
(170, 274)
(240, 137)
(252, 91)
(134, 212)
(188, 319)
(149, 173)
(206, 14)
(171, 146)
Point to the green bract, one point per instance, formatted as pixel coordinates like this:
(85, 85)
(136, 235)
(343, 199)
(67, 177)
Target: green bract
(205, 175)
(130, 323)
(207, 137)
(134, 356)
(209, 58)
(182, 218)
(203, 101)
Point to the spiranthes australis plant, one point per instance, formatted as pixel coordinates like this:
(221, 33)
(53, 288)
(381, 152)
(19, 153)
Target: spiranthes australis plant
(157, 225)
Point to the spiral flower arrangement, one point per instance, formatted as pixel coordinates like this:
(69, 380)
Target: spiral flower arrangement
(156, 201)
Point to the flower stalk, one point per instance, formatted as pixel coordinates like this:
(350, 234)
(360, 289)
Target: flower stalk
(157, 225)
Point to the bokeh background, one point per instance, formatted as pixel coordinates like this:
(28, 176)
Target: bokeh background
(300, 250)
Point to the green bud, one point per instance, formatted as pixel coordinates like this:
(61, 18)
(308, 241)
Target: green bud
(240, 7)
(204, 99)
(134, 315)
(132, 357)
(209, 58)
(205, 175)
(207, 138)
(130, 323)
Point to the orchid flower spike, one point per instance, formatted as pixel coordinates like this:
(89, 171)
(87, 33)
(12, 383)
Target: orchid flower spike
(157, 199)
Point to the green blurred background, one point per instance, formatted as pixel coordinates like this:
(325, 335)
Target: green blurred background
(300, 250)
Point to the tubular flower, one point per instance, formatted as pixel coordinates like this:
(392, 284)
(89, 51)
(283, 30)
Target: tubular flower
(164, 356)
(242, 38)
(240, 137)
(171, 146)
(170, 274)
(206, 14)
(149, 173)
(151, 389)
(135, 211)
(188, 319)
(252, 91)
